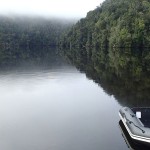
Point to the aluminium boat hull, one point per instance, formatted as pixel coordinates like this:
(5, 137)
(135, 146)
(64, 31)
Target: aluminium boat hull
(131, 144)
(134, 126)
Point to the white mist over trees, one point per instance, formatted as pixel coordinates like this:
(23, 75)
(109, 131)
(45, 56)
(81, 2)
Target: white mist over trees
(49, 8)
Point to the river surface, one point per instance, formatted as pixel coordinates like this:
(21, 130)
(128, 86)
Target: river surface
(56, 107)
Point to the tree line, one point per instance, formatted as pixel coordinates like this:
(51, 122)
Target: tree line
(24, 37)
(29, 31)
(115, 23)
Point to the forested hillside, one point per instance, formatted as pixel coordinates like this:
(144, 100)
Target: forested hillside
(30, 31)
(115, 23)
(28, 37)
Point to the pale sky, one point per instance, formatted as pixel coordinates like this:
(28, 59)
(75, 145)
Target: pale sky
(48, 8)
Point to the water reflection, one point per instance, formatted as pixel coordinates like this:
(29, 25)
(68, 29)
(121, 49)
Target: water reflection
(124, 73)
(48, 104)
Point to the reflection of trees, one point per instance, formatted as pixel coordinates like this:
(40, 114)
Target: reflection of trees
(45, 56)
(123, 73)
(126, 90)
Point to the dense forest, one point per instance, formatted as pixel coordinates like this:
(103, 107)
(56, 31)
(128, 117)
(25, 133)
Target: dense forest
(24, 37)
(111, 45)
(115, 23)
(29, 31)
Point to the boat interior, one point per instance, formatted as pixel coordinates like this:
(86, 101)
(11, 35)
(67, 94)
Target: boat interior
(144, 115)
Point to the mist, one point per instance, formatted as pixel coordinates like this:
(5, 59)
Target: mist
(48, 8)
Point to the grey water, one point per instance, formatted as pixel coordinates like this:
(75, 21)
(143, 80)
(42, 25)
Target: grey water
(54, 106)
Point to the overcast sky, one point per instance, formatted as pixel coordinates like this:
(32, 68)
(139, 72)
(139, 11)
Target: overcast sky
(54, 8)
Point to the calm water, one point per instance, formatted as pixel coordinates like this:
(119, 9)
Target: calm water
(56, 107)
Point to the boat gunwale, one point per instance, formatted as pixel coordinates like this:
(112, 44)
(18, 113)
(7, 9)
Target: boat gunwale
(134, 136)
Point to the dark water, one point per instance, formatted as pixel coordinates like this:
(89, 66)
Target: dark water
(53, 106)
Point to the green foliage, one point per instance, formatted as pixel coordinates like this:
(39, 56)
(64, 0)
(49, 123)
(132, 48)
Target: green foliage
(116, 23)
(108, 44)
(25, 31)
(24, 37)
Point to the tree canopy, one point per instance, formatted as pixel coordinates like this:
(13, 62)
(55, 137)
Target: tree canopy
(25, 37)
(30, 31)
(115, 23)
